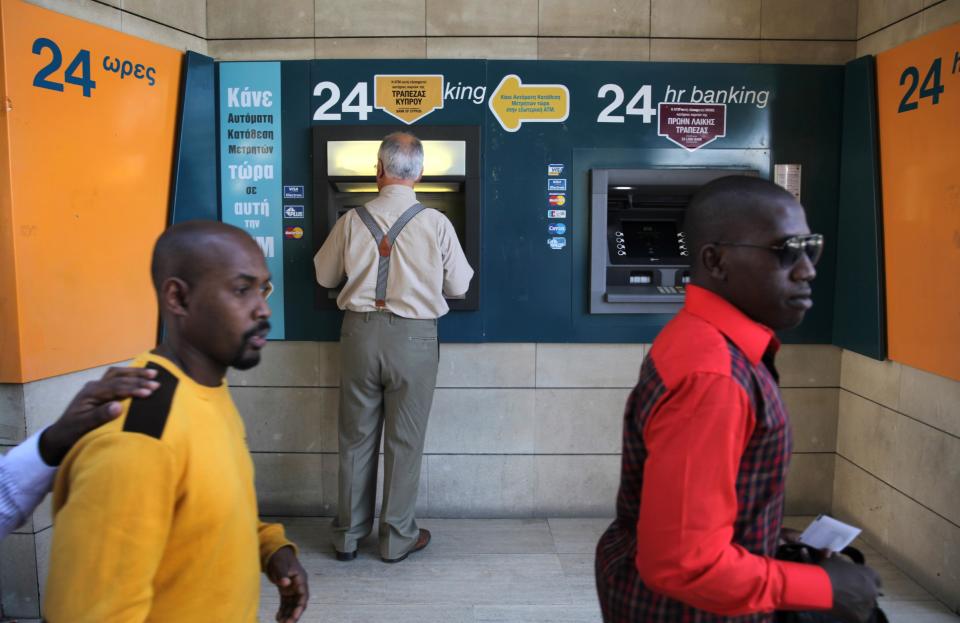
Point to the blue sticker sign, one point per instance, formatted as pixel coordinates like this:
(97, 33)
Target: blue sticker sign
(293, 212)
(293, 192)
(251, 164)
(557, 229)
(554, 170)
(557, 185)
(556, 243)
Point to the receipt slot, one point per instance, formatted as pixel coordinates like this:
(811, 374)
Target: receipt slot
(640, 257)
(344, 166)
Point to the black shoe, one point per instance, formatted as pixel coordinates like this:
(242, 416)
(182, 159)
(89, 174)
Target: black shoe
(346, 556)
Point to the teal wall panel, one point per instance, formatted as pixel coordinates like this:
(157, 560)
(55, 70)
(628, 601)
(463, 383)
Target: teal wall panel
(194, 192)
(530, 291)
(859, 322)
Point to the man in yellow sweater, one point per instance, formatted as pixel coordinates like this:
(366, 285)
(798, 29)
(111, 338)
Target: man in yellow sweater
(155, 514)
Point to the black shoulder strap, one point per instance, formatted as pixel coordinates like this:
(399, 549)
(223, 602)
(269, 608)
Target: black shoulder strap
(148, 416)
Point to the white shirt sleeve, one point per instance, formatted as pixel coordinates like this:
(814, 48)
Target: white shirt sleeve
(328, 262)
(24, 481)
(456, 270)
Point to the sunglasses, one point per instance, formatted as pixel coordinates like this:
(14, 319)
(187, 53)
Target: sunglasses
(792, 249)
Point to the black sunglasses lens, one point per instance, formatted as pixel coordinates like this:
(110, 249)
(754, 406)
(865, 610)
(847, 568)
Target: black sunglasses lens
(814, 249)
(789, 256)
(793, 249)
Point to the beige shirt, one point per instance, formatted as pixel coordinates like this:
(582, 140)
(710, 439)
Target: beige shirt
(426, 264)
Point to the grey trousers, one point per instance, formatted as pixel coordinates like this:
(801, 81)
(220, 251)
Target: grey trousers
(388, 368)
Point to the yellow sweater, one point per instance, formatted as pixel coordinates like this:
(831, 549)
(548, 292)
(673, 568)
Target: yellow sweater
(155, 514)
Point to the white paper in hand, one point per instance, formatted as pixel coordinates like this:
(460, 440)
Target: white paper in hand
(825, 532)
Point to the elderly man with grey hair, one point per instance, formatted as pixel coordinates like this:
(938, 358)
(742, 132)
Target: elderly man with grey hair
(399, 259)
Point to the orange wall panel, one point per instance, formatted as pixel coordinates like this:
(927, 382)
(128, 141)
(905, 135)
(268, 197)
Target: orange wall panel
(918, 87)
(89, 186)
(9, 327)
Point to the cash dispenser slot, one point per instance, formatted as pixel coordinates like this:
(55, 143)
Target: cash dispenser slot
(640, 259)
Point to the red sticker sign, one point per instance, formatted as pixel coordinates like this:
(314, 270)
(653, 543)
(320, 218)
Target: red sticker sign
(293, 232)
(557, 200)
(692, 126)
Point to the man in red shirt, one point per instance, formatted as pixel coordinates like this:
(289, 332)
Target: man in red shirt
(706, 439)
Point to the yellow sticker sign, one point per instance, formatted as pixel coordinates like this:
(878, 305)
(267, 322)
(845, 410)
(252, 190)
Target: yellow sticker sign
(408, 98)
(514, 103)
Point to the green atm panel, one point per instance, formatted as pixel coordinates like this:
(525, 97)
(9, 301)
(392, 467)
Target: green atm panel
(540, 129)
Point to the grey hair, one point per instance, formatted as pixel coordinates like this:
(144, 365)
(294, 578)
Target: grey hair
(402, 155)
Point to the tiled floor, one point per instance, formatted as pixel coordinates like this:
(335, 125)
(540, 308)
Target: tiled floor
(499, 570)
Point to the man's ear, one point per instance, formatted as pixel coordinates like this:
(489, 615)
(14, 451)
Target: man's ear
(379, 168)
(174, 295)
(419, 177)
(712, 258)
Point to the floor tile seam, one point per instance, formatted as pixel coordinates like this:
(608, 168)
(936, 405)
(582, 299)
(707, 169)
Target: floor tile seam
(300, 386)
(548, 579)
(533, 454)
(437, 518)
(553, 539)
(477, 387)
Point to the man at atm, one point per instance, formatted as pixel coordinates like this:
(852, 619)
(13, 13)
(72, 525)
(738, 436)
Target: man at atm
(706, 438)
(399, 259)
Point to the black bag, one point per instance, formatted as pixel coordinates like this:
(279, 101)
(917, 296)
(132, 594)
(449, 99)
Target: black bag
(798, 552)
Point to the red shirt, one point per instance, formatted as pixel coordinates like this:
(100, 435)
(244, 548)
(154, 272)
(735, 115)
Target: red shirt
(706, 447)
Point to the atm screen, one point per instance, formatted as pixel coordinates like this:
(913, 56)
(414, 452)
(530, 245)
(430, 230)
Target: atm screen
(650, 238)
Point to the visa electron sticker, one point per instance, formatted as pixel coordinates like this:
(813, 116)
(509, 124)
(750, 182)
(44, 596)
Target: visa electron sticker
(556, 243)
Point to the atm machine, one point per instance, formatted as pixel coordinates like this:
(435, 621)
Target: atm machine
(639, 257)
(344, 176)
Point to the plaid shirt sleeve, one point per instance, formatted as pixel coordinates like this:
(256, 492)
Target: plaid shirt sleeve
(695, 439)
(24, 481)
